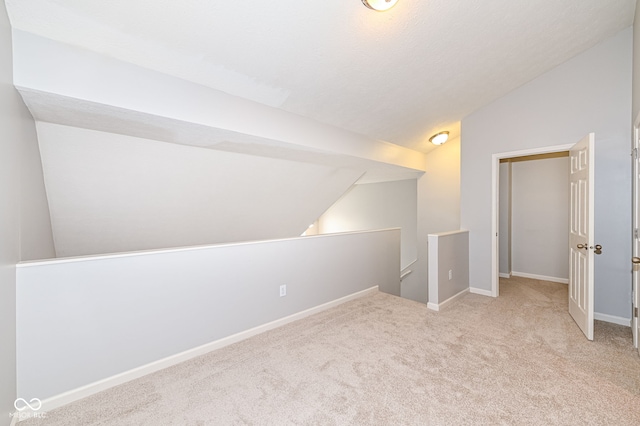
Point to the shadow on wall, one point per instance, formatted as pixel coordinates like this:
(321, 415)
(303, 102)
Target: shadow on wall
(377, 206)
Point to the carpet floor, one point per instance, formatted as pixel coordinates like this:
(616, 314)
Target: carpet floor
(381, 360)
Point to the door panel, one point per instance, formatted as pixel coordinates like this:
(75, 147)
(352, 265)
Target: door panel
(581, 234)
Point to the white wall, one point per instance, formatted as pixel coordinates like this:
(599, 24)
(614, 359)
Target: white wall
(377, 206)
(25, 231)
(83, 320)
(12, 121)
(438, 211)
(504, 231)
(36, 236)
(114, 193)
(442, 188)
(589, 93)
(540, 217)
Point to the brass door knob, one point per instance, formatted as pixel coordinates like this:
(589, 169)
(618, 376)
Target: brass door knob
(582, 246)
(635, 259)
(598, 249)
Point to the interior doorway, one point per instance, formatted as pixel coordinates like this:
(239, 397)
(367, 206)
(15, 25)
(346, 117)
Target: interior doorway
(534, 217)
(496, 158)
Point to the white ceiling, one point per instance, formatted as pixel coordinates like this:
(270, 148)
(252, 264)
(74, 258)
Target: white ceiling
(50, 108)
(397, 76)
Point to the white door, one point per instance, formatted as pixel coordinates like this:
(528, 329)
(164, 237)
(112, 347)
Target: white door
(635, 324)
(581, 234)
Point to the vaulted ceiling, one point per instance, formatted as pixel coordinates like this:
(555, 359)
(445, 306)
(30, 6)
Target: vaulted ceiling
(282, 106)
(397, 76)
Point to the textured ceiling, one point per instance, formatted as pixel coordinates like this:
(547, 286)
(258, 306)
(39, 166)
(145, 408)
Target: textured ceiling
(397, 76)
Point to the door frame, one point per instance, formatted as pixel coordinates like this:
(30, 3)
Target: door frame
(495, 203)
(635, 224)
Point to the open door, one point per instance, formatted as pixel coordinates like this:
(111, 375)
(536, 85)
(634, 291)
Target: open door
(581, 234)
(635, 246)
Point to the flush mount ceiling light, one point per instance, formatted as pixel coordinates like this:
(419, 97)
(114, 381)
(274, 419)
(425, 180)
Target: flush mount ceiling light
(439, 138)
(380, 5)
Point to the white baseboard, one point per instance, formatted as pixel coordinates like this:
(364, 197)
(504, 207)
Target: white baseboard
(118, 379)
(480, 291)
(438, 306)
(503, 275)
(14, 420)
(540, 277)
(612, 319)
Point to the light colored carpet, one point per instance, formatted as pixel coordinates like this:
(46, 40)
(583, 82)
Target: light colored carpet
(381, 360)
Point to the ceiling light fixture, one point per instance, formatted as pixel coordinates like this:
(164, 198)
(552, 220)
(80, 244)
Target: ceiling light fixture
(380, 5)
(439, 138)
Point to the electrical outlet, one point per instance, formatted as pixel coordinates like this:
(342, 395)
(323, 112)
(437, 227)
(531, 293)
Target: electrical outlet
(283, 290)
(450, 274)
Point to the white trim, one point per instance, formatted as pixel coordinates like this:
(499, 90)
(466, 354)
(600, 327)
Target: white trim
(93, 388)
(432, 269)
(433, 306)
(405, 267)
(495, 208)
(612, 319)
(635, 247)
(503, 275)
(495, 225)
(540, 277)
(447, 233)
(534, 151)
(481, 291)
(438, 306)
(179, 249)
(405, 273)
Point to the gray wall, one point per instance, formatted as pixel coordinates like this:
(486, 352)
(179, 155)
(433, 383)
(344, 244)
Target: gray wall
(589, 93)
(540, 217)
(377, 206)
(24, 229)
(448, 251)
(116, 313)
(636, 62)
(504, 231)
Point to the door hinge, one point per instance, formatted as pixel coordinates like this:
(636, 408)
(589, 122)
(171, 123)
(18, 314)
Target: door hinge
(635, 314)
(635, 234)
(634, 153)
